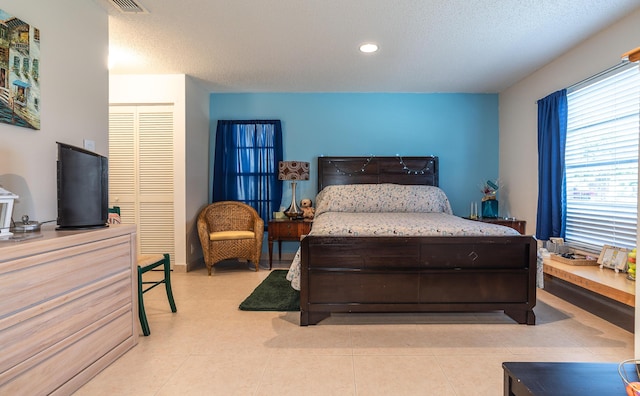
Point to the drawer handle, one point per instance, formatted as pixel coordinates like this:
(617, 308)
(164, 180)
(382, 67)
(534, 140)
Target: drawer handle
(474, 256)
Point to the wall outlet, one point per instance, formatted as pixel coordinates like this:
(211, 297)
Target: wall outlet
(89, 144)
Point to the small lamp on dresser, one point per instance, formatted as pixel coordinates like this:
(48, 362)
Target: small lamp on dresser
(293, 171)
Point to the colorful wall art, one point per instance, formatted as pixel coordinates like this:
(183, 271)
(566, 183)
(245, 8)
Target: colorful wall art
(19, 72)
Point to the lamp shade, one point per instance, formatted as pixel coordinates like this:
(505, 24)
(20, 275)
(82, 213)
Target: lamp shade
(293, 170)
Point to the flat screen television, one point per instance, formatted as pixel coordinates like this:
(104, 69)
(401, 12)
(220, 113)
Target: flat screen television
(83, 188)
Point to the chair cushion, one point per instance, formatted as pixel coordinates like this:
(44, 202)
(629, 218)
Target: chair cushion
(228, 235)
(146, 259)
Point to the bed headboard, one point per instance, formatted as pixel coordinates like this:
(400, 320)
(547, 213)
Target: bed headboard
(376, 170)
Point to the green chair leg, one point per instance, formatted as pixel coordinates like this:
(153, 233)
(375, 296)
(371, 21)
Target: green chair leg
(166, 263)
(167, 282)
(141, 312)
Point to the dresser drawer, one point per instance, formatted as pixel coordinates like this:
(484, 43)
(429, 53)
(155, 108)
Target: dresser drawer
(463, 286)
(473, 256)
(34, 280)
(355, 287)
(395, 254)
(288, 229)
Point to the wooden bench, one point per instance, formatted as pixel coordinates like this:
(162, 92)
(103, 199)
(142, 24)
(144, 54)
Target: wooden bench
(600, 291)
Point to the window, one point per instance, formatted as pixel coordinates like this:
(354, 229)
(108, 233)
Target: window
(601, 160)
(36, 69)
(246, 164)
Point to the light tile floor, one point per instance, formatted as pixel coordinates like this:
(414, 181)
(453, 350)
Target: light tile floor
(210, 347)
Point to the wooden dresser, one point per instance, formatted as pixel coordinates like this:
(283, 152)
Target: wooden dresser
(68, 307)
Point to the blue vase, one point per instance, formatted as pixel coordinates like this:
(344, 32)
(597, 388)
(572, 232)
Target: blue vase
(490, 208)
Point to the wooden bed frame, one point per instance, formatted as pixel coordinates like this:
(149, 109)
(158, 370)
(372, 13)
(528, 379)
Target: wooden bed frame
(411, 274)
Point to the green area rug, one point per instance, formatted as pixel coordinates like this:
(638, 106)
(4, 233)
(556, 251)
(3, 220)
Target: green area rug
(273, 294)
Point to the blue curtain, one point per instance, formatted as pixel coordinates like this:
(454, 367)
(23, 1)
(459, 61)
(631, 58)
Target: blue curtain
(552, 136)
(246, 164)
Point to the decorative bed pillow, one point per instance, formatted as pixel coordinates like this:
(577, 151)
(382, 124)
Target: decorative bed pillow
(371, 198)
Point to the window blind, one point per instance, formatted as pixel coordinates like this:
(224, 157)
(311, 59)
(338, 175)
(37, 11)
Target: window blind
(601, 161)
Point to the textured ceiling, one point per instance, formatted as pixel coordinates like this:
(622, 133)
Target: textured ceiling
(475, 46)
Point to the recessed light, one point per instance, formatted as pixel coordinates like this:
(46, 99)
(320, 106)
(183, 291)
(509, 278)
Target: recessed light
(368, 48)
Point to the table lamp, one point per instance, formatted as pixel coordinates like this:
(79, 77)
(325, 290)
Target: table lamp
(293, 170)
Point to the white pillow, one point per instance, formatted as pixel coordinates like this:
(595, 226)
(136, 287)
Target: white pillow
(371, 198)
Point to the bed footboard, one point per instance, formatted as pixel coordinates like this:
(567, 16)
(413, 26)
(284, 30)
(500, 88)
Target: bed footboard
(417, 274)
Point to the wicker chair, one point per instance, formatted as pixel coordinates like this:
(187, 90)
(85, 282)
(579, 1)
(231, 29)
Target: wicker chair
(230, 229)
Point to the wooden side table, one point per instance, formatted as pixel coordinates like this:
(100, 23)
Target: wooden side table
(285, 230)
(518, 225)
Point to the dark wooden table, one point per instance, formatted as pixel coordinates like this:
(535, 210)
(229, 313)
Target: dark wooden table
(558, 379)
(285, 230)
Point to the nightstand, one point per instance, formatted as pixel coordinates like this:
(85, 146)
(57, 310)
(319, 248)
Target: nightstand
(286, 230)
(518, 225)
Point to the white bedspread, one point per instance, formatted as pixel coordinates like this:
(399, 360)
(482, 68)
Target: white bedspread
(394, 224)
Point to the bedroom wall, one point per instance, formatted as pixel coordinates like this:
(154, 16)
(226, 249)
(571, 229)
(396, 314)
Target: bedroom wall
(74, 93)
(191, 126)
(196, 169)
(461, 129)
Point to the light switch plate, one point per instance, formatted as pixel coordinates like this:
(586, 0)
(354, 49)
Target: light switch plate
(90, 144)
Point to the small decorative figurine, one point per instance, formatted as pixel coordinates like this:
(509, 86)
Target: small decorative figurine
(307, 210)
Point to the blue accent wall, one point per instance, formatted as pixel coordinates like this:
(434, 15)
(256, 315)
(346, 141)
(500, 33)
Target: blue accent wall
(461, 129)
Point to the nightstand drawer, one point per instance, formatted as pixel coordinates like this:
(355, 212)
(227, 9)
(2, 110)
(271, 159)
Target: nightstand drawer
(288, 229)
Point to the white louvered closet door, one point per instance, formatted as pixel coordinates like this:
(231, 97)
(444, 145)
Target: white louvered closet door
(141, 173)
